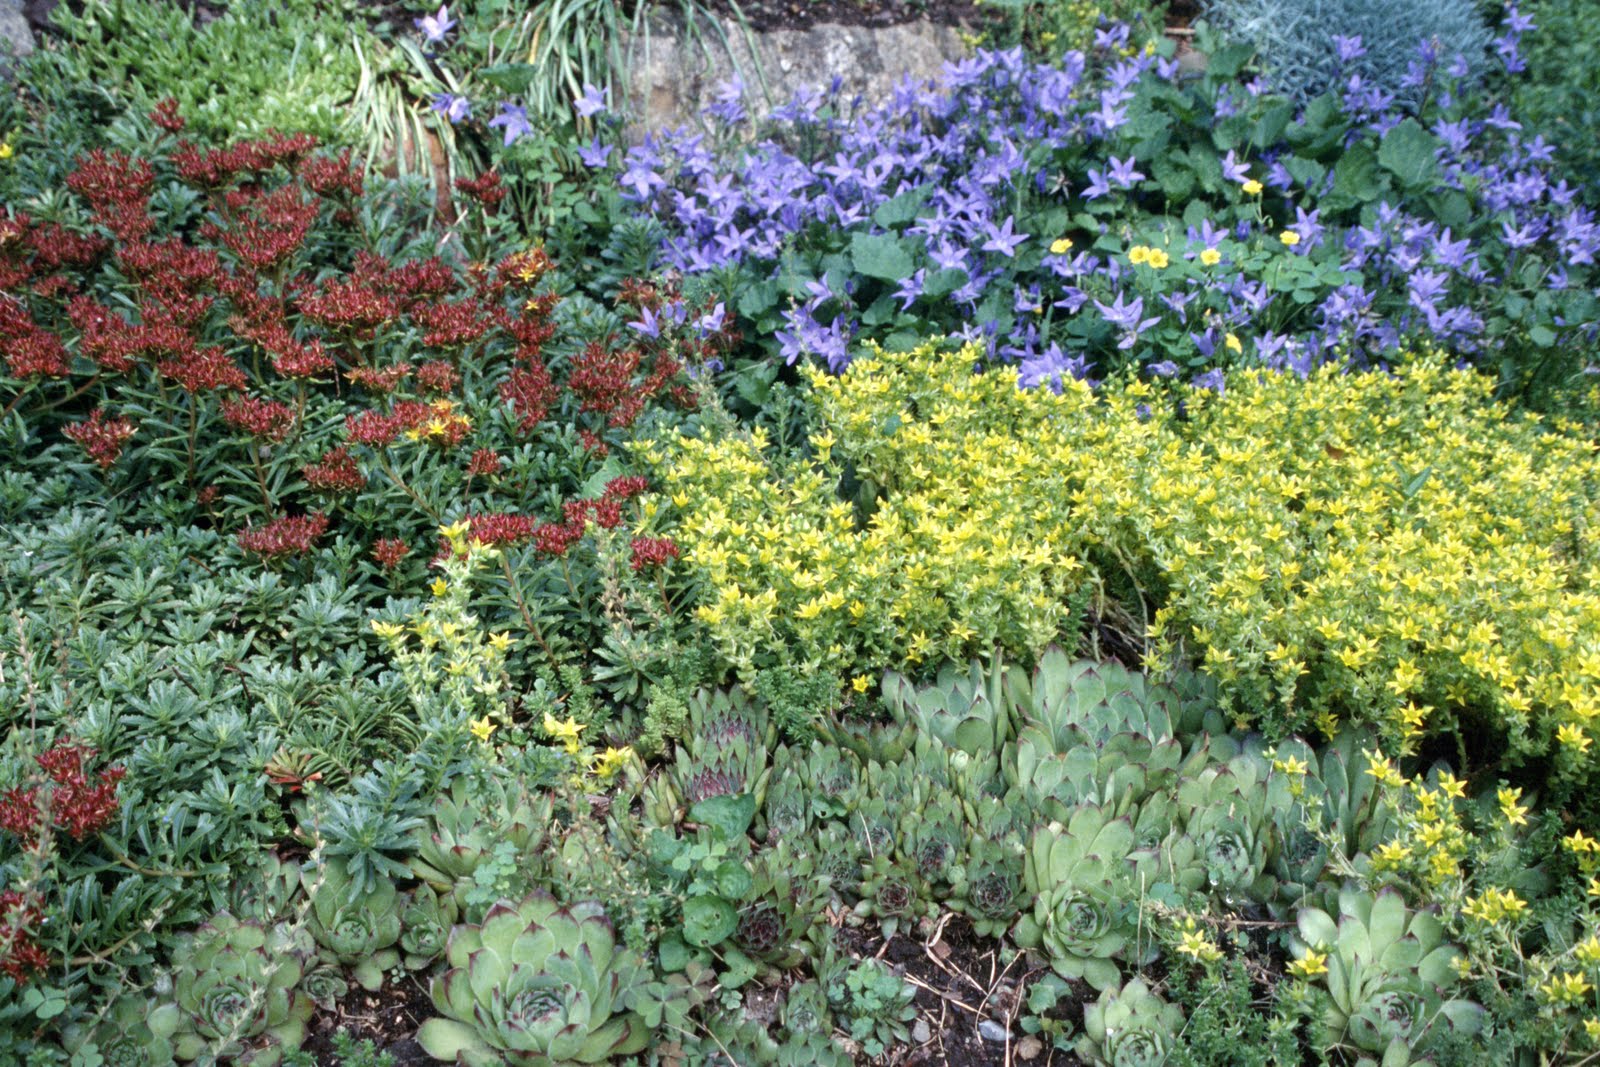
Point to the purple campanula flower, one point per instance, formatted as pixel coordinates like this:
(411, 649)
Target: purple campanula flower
(1097, 185)
(1003, 239)
(910, 289)
(1123, 172)
(648, 325)
(1072, 299)
(1233, 170)
(435, 26)
(452, 107)
(1212, 379)
(1128, 316)
(1306, 224)
(1424, 287)
(594, 155)
(1051, 366)
(1165, 369)
(1348, 49)
(514, 119)
(947, 256)
(711, 322)
(592, 102)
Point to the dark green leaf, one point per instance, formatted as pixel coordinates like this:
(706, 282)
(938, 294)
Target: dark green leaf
(1409, 153)
(708, 920)
(880, 256)
(728, 816)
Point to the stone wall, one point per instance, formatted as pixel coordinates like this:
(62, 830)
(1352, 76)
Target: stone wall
(16, 39)
(673, 74)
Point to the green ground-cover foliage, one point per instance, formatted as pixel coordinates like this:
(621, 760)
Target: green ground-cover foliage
(377, 604)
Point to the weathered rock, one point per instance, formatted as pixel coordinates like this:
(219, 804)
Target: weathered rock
(990, 1030)
(673, 73)
(16, 38)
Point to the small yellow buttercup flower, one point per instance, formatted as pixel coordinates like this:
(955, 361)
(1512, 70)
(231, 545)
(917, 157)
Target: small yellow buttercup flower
(483, 728)
(1157, 258)
(1138, 254)
(1310, 965)
(1289, 237)
(1579, 842)
(1452, 786)
(1210, 257)
(1572, 736)
(1195, 944)
(439, 587)
(1293, 766)
(608, 763)
(860, 682)
(1494, 905)
(1566, 988)
(1252, 187)
(1515, 814)
(500, 641)
(566, 732)
(6, 151)
(1231, 342)
(1060, 246)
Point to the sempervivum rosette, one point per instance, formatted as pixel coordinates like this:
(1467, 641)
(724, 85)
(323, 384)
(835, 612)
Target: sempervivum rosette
(1083, 877)
(1129, 1027)
(353, 925)
(234, 984)
(538, 984)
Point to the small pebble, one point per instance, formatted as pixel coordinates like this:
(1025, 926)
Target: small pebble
(920, 1034)
(990, 1030)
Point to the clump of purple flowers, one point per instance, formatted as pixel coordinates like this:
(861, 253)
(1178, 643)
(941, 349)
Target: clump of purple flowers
(1004, 204)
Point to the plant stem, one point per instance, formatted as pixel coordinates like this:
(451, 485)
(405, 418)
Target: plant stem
(394, 476)
(527, 616)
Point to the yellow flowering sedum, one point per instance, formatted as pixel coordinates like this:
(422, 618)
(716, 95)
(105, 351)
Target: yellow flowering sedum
(1384, 548)
(450, 663)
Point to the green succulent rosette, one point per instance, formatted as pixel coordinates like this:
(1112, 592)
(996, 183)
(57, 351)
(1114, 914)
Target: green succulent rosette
(133, 1033)
(1129, 1027)
(538, 984)
(235, 987)
(1083, 877)
(425, 921)
(355, 928)
(1389, 974)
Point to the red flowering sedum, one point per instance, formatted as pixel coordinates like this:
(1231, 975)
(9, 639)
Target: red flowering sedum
(101, 436)
(67, 798)
(288, 536)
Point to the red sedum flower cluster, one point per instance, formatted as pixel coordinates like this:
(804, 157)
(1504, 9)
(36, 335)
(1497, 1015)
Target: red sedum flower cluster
(67, 798)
